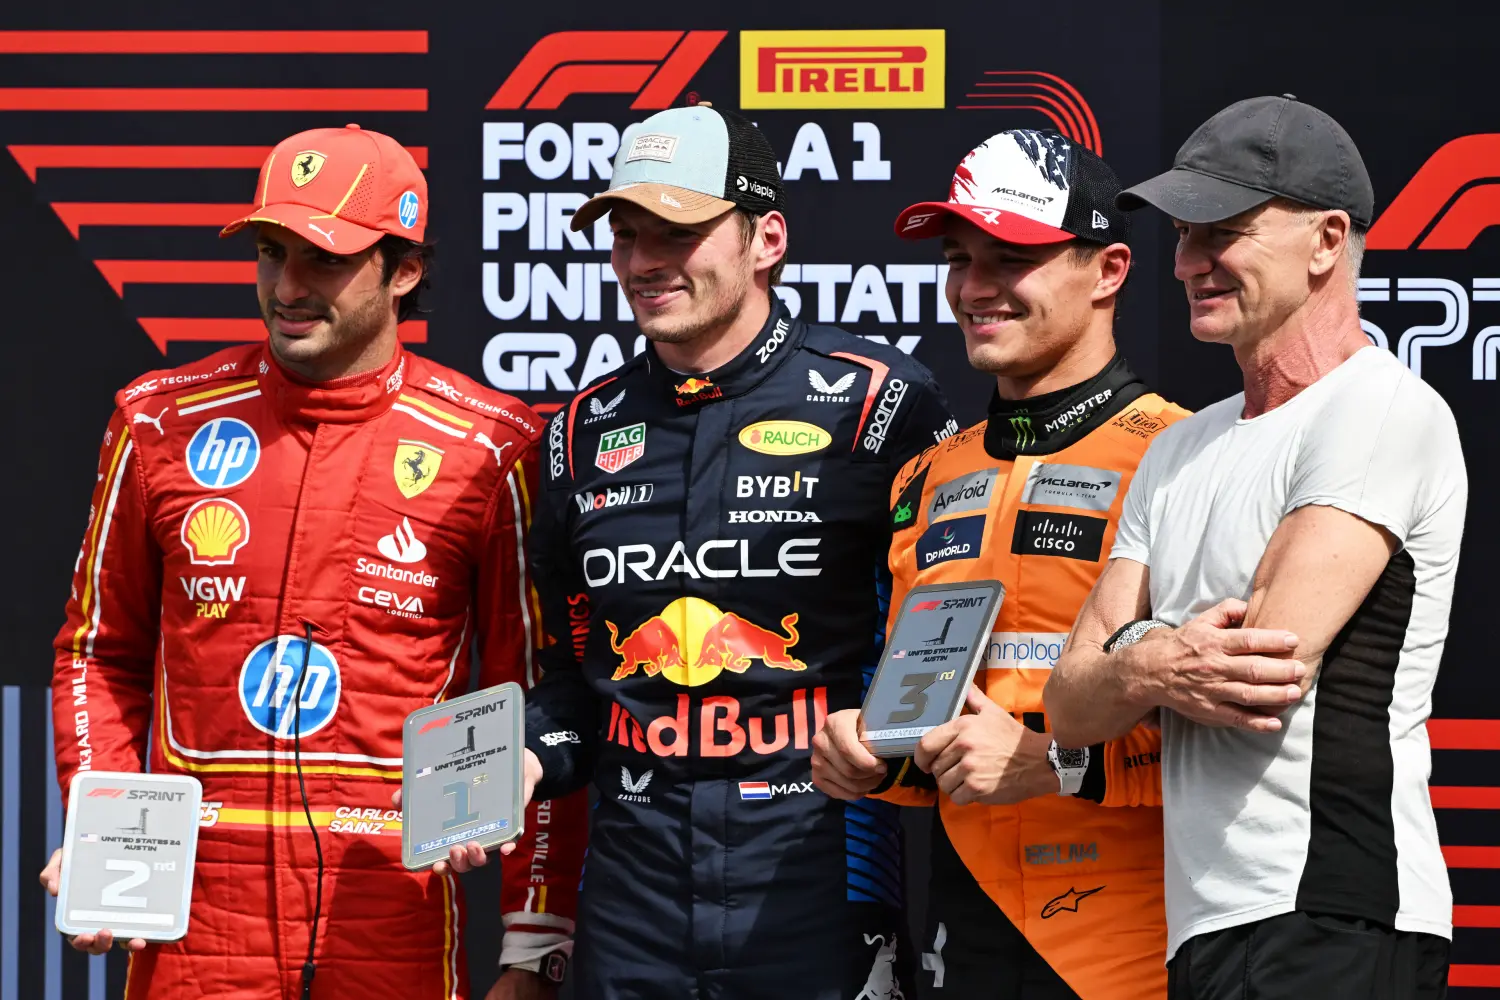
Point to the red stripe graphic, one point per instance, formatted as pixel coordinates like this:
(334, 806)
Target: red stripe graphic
(1474, 975)
(1471, 857)
(211, 99)
(208, 42)
(120, 273)
(33, 158)
(76, 214)
(1476, 916)
(163, 330)
(1464, 734)
(1464, 797)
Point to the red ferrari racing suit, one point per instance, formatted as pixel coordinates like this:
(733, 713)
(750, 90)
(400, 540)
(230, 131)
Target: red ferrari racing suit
(239, 514)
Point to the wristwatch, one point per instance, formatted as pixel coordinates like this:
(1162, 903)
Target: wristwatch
(1131, 633)
(1070, 765)
(552, 966)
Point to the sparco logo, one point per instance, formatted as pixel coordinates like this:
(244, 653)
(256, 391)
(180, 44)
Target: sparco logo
(615, 497)
(755, 187)
(884, 413)
(555, 446)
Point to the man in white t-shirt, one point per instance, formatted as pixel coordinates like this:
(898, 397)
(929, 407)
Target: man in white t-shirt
(1279, 589)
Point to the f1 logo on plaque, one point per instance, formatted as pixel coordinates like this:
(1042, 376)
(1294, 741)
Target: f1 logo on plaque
(128, 853)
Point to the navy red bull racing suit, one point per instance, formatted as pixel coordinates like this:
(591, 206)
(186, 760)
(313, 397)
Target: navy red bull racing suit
(714, 541)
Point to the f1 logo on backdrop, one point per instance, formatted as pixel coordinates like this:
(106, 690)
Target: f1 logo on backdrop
(652, 65)
(1450, 200)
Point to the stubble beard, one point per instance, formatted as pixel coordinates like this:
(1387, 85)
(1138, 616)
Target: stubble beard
(345, 335)
(725, 303)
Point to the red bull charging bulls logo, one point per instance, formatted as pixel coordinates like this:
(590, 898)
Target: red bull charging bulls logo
(692, 641)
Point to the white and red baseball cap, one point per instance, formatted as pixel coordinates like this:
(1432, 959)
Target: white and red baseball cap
(1027, 186)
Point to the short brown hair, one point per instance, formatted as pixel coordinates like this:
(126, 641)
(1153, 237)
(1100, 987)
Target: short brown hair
(747, 236)
(393, 250)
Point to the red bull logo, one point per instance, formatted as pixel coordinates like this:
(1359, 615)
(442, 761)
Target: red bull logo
(697, 390)
(723, 731)
(692, 641)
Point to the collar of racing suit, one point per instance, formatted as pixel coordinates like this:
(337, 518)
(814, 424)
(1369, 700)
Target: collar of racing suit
(350, 400)
(1043, 425)
(778, 339)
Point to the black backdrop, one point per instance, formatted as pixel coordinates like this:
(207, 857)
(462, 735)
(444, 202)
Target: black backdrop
(125, 149)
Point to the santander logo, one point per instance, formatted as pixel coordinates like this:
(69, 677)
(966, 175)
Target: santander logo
(402, 545)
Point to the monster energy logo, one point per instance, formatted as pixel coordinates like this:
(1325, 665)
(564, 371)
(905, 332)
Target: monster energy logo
(1025, 436)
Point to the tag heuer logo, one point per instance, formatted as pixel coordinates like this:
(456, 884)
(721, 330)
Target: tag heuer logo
(621, 446)
(305, 166)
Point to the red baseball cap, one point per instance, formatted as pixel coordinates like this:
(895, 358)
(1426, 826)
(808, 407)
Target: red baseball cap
(341, 188)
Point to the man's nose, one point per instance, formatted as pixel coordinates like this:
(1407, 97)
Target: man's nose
(1192, 259)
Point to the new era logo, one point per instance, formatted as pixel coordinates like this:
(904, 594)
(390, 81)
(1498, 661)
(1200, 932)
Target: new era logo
(653, 65)
(1100, 222)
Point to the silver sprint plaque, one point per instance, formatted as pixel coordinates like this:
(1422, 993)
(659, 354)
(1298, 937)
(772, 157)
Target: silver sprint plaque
(461, 774)
(128, 853)
(939, 638)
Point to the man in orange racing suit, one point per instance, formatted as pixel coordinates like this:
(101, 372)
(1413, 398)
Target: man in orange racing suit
(292, 545)
(1046, 865)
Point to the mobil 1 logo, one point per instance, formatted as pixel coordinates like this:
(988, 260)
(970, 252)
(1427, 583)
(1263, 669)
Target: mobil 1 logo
(128, 853)
(461, 774)
(1071, 536)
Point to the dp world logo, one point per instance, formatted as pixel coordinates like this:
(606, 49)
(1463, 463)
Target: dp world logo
(406, 209)
(268, 686)
(223, 453)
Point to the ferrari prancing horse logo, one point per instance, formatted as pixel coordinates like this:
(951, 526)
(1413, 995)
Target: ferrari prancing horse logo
(305, 166)
(417, 466)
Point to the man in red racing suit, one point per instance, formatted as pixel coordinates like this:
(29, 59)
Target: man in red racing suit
(255, 533)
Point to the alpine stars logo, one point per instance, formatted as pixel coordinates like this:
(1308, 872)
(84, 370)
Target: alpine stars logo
(634, 788)
(826, 392)
(1067, 901)
(880, 426)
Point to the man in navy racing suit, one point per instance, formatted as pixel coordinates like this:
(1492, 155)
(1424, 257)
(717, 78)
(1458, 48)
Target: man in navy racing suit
(713, 522)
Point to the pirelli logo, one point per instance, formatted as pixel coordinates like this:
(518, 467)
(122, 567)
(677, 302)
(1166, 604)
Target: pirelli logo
(842, 69)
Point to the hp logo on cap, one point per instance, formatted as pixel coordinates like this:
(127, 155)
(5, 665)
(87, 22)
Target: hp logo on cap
(406, 209)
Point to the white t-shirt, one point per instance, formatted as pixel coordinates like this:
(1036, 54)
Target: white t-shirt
(1332, 813)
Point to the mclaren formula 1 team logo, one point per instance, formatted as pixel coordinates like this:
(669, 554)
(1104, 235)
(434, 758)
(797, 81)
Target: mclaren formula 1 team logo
(305, 166)
(416, 466)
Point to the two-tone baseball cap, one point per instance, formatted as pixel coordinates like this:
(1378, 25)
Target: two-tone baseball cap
(1256, 150)
(691, 165)
(1027, 186)
(341, 188)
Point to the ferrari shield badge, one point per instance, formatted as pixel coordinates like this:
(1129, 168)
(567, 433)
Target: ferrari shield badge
(417, 466)
(305, 166)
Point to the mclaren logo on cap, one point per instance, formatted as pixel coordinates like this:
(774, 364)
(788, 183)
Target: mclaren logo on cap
(305, 166)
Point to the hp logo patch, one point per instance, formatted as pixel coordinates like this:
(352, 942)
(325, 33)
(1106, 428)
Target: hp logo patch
(268, 687)
(406, 209)
(223, 453)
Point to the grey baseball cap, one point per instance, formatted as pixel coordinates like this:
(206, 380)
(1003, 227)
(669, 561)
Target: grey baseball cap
(1254, 151)
(691, 165)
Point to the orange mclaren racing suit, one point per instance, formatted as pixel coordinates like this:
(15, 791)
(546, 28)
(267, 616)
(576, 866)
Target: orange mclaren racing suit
(1030, 497)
